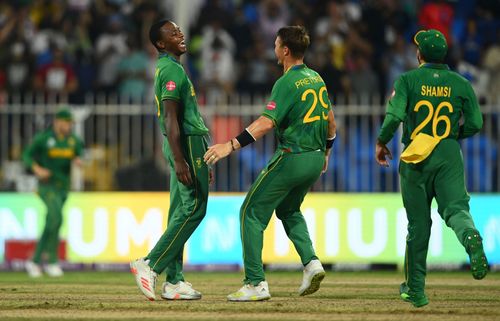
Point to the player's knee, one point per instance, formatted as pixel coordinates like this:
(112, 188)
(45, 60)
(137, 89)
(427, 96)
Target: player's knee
(420, 229)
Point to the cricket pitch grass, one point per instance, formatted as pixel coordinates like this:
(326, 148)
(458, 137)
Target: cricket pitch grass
(342, 296)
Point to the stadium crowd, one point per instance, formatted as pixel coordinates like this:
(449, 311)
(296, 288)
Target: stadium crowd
(75, 47)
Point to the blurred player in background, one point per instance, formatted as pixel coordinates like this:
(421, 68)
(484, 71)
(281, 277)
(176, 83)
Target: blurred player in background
(301, 113)
(50, 156)
(184, 145)
(430, 101)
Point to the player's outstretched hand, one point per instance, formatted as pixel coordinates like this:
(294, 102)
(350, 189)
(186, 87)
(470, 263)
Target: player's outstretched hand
(217, 152)
(182, 172)
(381, 151)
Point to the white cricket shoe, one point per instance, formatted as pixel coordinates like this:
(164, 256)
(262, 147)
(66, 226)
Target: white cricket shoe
(179, 291)
(53, 270)
(145, 277)
(34, 270)
(250, 292)
(313, 275)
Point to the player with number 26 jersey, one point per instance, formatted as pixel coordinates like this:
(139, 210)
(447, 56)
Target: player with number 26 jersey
(430, 101)
(424, 96)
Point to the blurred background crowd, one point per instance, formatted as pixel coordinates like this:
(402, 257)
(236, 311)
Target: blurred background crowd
(79, 47)
(95, 56)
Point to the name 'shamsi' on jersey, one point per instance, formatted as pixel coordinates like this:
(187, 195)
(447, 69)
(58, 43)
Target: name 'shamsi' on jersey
(431, 100)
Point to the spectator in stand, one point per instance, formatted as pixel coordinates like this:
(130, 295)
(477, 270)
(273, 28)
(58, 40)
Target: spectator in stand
(273, 14)
(437, 15)
(258, 72)
(93, 34)
(491, 63)
(214, 9)
(363, 80)
(110, 47)
(241, 32)
(400, 59)
(56, 77)
(217, 55)
(472, 43)
(54, 13)
(18, 68)
(81, 48)
(336, 80)
(333, 30)
(132, 70)
(15, 24)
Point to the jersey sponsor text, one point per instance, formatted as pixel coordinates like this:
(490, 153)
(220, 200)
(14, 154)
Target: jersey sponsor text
(61, 153)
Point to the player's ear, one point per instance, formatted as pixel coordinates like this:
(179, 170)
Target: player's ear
(286, 51)
(160, 44)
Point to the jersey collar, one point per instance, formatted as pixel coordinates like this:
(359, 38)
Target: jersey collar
(164, 54)
(434, 66)
(296, 67)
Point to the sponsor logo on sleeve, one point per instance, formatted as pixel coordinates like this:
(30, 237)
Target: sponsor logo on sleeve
(170, 85)
(271, 105)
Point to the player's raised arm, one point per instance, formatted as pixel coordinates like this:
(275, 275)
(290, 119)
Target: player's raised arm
(256, 130)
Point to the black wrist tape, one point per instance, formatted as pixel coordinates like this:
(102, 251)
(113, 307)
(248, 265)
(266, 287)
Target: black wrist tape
(245, 138)
(329, 143)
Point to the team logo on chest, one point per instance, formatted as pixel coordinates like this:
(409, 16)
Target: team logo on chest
(170, 85)
(51, 142)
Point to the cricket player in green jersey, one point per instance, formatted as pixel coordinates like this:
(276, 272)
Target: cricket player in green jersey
(50, 156)
(300, 112)
(430, 101)
(184, 145)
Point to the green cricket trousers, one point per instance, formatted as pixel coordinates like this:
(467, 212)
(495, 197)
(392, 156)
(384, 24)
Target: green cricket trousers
(281, 186)
(54, 199)
(188, 205)
(440, 176)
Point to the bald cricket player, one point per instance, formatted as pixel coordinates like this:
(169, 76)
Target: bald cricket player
(184, 145)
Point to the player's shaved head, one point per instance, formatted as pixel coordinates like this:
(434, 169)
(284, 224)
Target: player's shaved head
(155, 32)
(295, 38)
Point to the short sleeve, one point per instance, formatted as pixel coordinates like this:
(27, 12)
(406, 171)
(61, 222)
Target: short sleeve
(398, 102)
(171, 82)
(277, 107)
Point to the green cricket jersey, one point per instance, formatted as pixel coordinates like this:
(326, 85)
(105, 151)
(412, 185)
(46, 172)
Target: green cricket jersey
(431, 99)
(171, 82)
(299, 108)
(55, 154)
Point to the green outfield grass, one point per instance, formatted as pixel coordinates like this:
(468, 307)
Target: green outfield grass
(343, 296)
